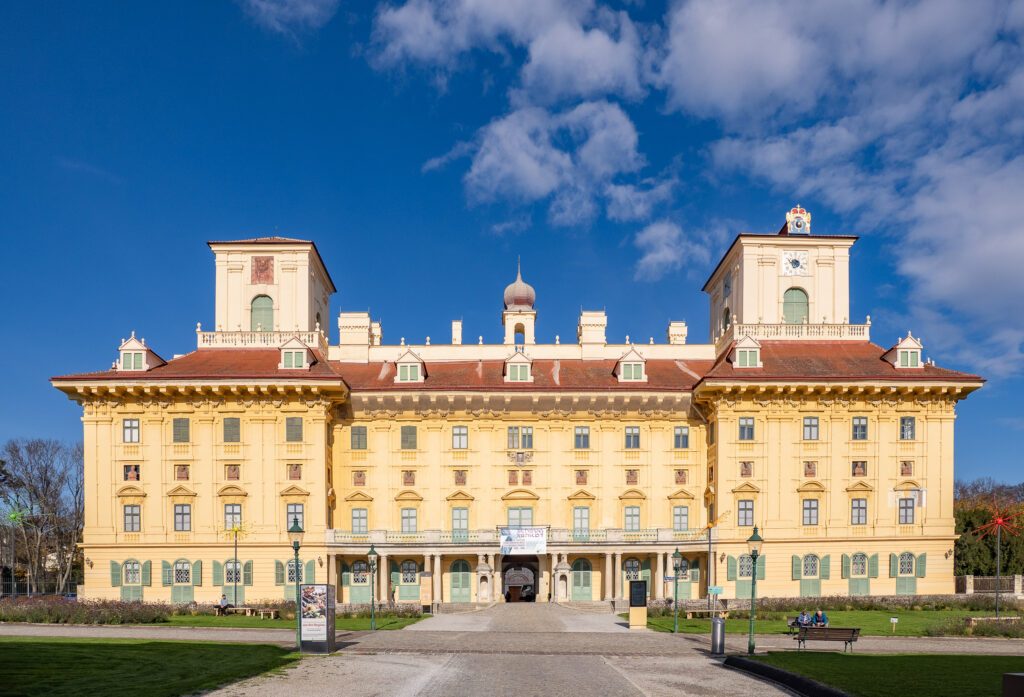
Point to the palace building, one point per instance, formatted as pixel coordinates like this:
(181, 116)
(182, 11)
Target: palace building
(588, 462)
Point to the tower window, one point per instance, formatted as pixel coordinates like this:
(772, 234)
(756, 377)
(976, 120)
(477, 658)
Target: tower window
(795, 306)
(262, 315)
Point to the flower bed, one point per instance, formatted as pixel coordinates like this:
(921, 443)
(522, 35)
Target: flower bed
(57, 610)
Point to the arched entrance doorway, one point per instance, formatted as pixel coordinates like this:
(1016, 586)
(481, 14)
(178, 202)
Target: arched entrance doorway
(519, 578)
(461, 591)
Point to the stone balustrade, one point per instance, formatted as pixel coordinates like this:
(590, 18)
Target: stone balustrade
(555, 536)
(243, 339)
(795, 332)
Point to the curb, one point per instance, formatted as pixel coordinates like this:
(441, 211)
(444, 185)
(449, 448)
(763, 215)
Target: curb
(797, 683)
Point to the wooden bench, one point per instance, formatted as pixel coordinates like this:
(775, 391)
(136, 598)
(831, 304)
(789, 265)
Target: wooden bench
(247, 611)
(268, 613)
(843, 634)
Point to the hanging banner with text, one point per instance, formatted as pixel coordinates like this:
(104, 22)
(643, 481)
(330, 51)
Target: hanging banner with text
(523, 540)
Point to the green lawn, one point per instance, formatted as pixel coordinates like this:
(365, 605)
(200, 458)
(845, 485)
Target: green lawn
(871, 622)
(874, 675)
(114, 667)
(341, 623)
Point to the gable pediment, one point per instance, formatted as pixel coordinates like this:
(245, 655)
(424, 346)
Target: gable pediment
(632, 356)
(860, 486)
(746, 488)
(582, 495)
(907, 485)
(632, 495)
(181, 490)
(680, 494)
(359, 496)
(294, 491)
(811, 487)
(294, 343)
(520, 495)
(409, 356)
(459, 496)
(130, 490)
(231, 490)
(408, 495)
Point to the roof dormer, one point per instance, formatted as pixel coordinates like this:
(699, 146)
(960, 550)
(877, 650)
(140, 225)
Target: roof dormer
(632, 367)
(410, 368)
(906, 353)
(295, 355)
(518, 368)
(746, 353)
(135, 355)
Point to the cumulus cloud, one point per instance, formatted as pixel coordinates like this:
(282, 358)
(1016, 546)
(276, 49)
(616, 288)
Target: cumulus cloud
(664, 248)
(291, 17)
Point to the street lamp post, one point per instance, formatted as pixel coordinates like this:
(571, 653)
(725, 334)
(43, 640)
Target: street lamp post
(754, 547)
(372, 556)
(295, 533)
(677, 566)
(237, 565)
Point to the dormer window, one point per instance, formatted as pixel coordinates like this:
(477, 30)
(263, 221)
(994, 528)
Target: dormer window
(135, 355)
(910, 358)
(747, 353)
(295, 355)
(409, 373)
(132, 360)
(519, 373)
(409, 368)
(906, 353)
(630, 367)
(294, 359)
(632, 371)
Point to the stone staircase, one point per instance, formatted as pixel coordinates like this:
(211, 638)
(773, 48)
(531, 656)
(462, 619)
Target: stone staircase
(590, 606)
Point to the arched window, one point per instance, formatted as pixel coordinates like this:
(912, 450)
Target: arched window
(294, 571)
(183, 572)
(632, 568)
(795, 306)
(360, 572)
(859, 564)
(726, 319)
(132, 573)
(906, 564)
(409, 571)
(233, 572)
(811, 566)
(746, 565)
(262, 315)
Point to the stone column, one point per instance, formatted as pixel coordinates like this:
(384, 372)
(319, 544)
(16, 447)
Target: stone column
(438, 579)
(553, 582)
(498, 591)
(384, 577)
(659, 576)
(617, 577)
(428, 568)
(608, 589)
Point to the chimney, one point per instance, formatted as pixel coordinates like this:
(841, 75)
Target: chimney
(354, 329)
(677, 332)
(456, 332)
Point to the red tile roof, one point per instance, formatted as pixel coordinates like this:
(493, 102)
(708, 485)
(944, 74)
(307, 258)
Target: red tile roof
(218, 364)
(828, 360)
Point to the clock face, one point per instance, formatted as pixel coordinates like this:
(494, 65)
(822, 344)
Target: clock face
(794, 264)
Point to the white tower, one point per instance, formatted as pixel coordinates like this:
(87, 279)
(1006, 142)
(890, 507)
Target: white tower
(519, 316)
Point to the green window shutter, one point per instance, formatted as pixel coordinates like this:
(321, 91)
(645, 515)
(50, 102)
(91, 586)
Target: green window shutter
(695, 570)
(797, 568)
(309, 576)
(893, 566)
(825, 568)
(166, 575)
(247, 573)
(197, 573)
(846, 566)
(115, 574)
(147, 573)
(218, 573)
(921, 565)
(278, 573)
(873, 566)
(730, 568)
(762, 564)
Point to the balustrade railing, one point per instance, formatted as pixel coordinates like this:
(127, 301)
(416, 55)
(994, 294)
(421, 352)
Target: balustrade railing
(555, 536)
(243, 339)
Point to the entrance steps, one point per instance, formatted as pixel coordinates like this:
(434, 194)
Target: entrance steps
(456, 608)
(589, 606)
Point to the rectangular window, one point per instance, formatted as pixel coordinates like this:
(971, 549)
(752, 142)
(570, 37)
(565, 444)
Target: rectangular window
(519, 372)
(182, 517)
(810, 511)
(746, 516)
(359, 521)
(746, 428)
(232, 516)
(581, 519)
(711, 433)
(810, 428)
(408, 520)
(409, 372)
(130, 431)
(293, 512)
(179, 430)
(293, 429)
(520, 517)
(408, 437)
(859, 468)
(632, 371)
(132, 518)
(746, 469)
(358, 438)
(232, 429)
(582, 438)
(232, 472)
(460, 520)
(632, 518)
(460, 437)
(527, 437)
(681, 437)
(747, 358)
(860, 428)
(513, 438)
(132, 473)
(906, 511)
(908, 428)
(680, 518)
(859, 512)
(632, 437)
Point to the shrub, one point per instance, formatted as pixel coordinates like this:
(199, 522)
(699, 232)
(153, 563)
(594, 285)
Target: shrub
(989, 628)
(57, 610)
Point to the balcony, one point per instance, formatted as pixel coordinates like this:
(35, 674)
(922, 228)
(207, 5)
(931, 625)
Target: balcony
(796, 332)
(241, 339)
(489, 537)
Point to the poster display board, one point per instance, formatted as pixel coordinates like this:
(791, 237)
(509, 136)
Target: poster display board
(532, 540)
(316, 617)
(638, 605)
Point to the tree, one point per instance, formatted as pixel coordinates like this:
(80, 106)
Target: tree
(41, 490)
(974, 554)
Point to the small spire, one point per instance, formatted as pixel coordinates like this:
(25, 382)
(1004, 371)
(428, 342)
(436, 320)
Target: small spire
(519, 268)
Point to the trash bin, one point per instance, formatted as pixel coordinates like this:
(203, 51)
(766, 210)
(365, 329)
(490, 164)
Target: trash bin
(717, 636)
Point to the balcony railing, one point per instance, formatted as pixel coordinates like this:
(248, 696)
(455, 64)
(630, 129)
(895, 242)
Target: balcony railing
(555, 536)
(796, 332)
(242, 339)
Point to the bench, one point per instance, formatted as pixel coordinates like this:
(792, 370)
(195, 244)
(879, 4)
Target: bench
(247, 611)
(843, 634)
(690, 614)
(268, 613)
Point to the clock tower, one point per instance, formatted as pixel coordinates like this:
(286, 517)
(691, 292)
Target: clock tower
(793, 277)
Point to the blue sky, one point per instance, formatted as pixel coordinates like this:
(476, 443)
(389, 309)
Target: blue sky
(617, 147)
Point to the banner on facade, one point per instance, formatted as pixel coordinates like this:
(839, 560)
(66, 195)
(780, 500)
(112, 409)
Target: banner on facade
(523, 540)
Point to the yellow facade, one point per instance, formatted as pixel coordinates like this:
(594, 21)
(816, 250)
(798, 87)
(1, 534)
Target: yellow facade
(839, 451)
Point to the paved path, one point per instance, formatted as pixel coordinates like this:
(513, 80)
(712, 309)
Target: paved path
(281, 637)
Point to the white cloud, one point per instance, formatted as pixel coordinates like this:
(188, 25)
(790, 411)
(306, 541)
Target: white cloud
(663, 249)
(630, 202)
(291, 17)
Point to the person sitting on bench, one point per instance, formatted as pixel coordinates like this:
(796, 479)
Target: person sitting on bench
(804, 619)
(820, 619)
(223, 605)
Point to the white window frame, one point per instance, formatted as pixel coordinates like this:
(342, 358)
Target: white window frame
(745, 516)
(410, 524)
(130, 432)
(631, 519)
(181, 573)
(812, 428)
(520, 516)
(681, 438)
(131, 520)
(810, 508)
(293, 511)
(905, 507)
(746, 428)
(360, 572)
(581, 518)
(858, 511)
(632, 437)
(408, 372)
(680, 518)
(859, 428)
(632, 569)
(131, 573)
(410, 572)
(745, 566)
(581, 438)
(360, 521)
(908, 428)
(232, 515)
(460, 437)
(858, 559)
(632, 371)
(911, 560)
(811, 566)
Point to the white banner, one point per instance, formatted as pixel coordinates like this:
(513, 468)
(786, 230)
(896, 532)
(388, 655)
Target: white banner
(523, 540)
